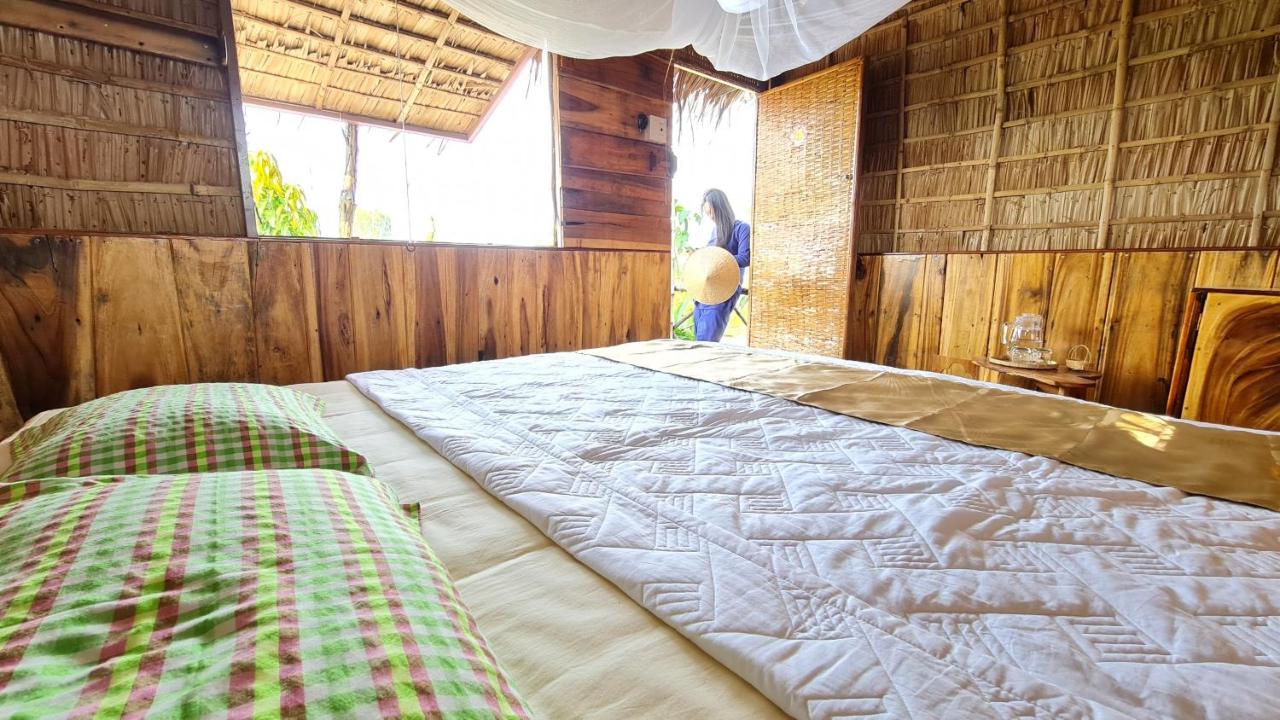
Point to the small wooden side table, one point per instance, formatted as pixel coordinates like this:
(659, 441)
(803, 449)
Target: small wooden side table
(1057, 381)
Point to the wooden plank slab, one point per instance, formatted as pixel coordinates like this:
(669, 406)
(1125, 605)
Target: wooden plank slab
(138, 335)
(335, 311)
(864, 308)
(599, 191)
(286, 327)
(1236, 268)
(591, 106)
(112, 28)
(46, 320)
(10, 418)
(378, 306)
(562, 279)
(644, 75)
(1023, 282)
(650, 232)
(966, 313)
(901, 312)
(431, 329)
(215, 299)
(1148, 298)
(1078, 302)
(524, 302)
(595, 151)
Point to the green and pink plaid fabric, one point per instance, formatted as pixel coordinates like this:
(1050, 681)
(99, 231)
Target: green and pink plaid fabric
(175, 429)
(233, 595)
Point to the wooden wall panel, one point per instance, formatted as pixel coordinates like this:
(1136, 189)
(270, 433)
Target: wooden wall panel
(286, 327)
(615, 185)
(86, 316)
(46, 320)
(215, 301)
(118, 117)
(1148, 296)
(1003, 125)
(937, 312)
(138, 339)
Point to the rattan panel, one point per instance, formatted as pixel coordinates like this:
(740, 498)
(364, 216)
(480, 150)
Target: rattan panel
(802, 247)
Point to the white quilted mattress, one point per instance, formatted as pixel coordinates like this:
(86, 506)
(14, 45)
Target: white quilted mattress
(850, 569)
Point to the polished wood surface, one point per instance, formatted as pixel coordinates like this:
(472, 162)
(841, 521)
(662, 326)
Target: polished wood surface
(937, 312)
(118, 117)
(615, 186)
(1229, 371)
(1056, 381)
(84, 316)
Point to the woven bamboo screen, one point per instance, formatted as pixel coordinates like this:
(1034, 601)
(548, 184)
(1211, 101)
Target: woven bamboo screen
(802, 244)
(1072, 124)
(412, 62)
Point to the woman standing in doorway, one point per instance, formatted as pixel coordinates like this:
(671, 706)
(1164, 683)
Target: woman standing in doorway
(730, 233)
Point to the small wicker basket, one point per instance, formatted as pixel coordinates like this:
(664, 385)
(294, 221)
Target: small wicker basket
(1079, 357)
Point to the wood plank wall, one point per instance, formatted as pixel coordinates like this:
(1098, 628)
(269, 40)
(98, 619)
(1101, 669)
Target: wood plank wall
(615, 185)
(84, 316)
(1012, 125)
(938, 311)
(117, 117)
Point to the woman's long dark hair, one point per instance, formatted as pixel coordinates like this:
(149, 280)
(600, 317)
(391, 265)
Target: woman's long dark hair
(725, 218)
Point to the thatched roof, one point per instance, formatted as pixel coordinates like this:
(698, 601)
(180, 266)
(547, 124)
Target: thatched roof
(416, 63)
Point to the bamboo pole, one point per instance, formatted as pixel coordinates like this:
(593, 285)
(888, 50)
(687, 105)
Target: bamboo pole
(1115, 129)
(1261, 192)
(997, 127)
(902, 121)
(339, 34)
(429, 66)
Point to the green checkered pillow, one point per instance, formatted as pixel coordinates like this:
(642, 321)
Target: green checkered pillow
(272, 594)
(180, 429)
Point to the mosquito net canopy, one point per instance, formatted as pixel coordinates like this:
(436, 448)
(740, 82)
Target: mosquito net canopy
(756, 38)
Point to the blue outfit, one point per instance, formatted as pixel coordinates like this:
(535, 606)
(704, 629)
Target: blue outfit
(709, 321)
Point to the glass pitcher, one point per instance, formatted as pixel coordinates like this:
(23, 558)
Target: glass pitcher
(1023, 338)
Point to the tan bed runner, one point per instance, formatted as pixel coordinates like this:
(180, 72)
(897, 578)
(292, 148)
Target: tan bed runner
(1220, 462)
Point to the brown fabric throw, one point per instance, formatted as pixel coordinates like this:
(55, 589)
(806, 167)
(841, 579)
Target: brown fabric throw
(1221, 462)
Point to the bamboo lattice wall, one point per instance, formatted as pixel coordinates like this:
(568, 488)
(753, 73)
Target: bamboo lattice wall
(1009, 125)
(117, 116)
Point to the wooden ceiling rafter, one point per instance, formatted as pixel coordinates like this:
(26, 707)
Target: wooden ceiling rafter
(362, 50)
(427, 67)
(343, 24)
(417, 64)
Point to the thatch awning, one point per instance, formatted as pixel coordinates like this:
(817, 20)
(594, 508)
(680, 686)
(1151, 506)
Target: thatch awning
(412, 63)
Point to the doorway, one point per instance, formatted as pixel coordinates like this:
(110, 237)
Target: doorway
(714, 140)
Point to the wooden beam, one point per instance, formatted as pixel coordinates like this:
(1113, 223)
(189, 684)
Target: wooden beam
(146, 17)
(422, 13)
(502, 92)
(232, 67)
(154, 188)
(1115, 128)
(359, 94)
(997, 128)
(338, 35)
(80, 123)
(1261, 192)
(352, 117)
(112, 28)
(425, 75)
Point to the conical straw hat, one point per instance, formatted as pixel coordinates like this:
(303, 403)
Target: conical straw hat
(711, 275)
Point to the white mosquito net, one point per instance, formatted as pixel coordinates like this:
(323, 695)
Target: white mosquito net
(756, 38)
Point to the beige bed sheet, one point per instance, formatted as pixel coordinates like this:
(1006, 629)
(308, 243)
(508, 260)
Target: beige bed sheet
(574, 644)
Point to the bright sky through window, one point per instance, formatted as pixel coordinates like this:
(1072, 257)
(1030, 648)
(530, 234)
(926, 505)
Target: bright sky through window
(498, 189)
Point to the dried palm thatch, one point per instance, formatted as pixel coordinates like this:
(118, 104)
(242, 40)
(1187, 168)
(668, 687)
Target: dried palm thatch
(416, 64)
(701, 100)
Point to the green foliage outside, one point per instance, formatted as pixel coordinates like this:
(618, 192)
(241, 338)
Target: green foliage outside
(681, 303)
(371, 225)
(281, 207)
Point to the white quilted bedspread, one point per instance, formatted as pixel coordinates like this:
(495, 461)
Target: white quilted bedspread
(849, 569)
